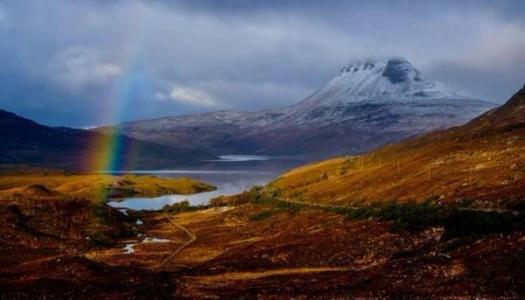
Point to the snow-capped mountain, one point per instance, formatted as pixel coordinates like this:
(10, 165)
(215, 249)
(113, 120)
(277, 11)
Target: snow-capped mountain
(369, 103)
(393, 78)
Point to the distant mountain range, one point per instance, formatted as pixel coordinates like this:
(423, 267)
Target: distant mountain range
(25, 142)
(483, 160)
(368, 104)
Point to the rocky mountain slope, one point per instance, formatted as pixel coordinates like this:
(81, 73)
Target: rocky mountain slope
(483, 160)
(368, 104)
(23, 141)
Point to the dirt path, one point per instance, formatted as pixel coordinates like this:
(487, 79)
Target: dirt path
(335, 206)
(224, 277)
(318, 205)
(192, 237)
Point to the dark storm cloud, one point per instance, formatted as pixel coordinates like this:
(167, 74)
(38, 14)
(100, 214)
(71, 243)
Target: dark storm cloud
(72, 62)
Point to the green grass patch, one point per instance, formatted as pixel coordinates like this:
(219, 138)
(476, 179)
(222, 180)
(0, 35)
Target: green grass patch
(404, 215)
(270, 198)
(458, 221)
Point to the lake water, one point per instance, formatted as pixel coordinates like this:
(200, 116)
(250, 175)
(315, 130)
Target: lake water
(231, 174)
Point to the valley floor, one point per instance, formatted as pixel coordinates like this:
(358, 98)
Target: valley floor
(254, 250)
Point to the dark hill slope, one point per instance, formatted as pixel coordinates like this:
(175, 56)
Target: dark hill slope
(23, 141)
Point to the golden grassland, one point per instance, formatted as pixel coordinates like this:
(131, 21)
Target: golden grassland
(492, 168)
(95, 186)
(482, 160)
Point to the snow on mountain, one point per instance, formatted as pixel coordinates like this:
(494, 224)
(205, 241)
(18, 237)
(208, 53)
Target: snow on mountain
(389, 92)
(373, 79)
(394, 78)
(369, 103)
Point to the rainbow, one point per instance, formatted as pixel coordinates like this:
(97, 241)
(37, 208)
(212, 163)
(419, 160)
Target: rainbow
(112, 151)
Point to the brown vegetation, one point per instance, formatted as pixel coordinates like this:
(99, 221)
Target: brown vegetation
(484, 160)
(261, 248)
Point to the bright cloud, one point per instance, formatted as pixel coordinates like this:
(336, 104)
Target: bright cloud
(191, 96)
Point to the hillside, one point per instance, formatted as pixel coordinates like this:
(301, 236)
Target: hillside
(93, 187)
(368, 104)
(25, 142)
(482, 160)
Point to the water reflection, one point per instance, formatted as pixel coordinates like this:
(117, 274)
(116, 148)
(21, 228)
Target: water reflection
(240, 175)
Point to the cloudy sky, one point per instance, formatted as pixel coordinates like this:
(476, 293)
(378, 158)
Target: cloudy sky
(93, 62)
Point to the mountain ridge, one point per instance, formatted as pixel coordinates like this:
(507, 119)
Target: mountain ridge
(24, 141)
(383, 101)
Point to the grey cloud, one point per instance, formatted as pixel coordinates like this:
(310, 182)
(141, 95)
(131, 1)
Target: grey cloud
(65, 61)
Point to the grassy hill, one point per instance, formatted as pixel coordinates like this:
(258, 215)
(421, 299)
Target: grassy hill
(94, 187)
(483, 160)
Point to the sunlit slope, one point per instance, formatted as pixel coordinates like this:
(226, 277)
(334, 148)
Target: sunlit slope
(95, 187)
(483, 160)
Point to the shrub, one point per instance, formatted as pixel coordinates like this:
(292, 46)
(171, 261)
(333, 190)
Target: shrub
(182, 206)
(251, 196)
(256, 217)
(411, 215)
(100, 239)
(404, 215)
(457, 221)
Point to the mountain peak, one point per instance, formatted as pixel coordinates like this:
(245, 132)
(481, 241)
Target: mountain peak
(396, 69)
(391, 78)
(371, 63)
(400, 70)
